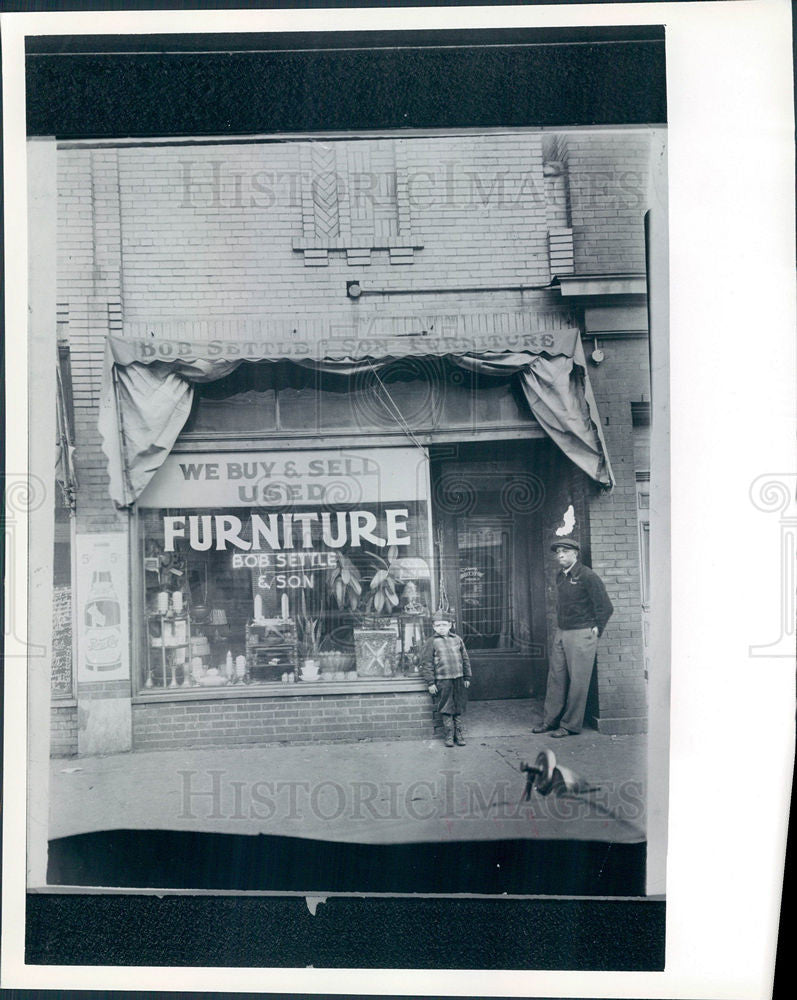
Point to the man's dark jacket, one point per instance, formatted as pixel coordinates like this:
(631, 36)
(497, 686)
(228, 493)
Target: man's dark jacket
(581, 599)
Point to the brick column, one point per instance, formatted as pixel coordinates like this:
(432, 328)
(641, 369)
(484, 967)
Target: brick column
(614, 548)
(90, 308)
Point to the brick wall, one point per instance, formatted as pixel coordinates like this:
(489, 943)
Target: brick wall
(614, 546)
(607, 176)
(89, 307)
(642, 448)
(208, 230)
(63, 731)
(308, 719)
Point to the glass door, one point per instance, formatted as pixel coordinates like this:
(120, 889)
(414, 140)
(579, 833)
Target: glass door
(486, 501)
(484, 548)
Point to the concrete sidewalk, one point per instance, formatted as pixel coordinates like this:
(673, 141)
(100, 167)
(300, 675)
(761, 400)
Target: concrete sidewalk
(365, 792)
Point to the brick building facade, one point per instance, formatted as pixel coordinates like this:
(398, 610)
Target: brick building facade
(467, 239)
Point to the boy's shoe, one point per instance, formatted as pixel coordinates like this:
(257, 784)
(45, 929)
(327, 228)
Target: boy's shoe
(459, 733)
(448, 730)
(542, 729)
(560, 733)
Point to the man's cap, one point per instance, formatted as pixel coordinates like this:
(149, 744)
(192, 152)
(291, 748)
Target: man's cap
(565, 543)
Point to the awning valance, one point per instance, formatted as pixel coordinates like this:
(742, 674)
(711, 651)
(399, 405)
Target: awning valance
(148, 391)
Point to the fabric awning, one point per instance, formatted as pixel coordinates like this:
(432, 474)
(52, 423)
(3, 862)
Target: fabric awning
(148, 391)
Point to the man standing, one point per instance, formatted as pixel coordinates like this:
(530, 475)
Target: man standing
(582, 610)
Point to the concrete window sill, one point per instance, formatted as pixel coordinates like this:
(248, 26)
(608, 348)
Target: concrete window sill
(300, 689)
(70, 702)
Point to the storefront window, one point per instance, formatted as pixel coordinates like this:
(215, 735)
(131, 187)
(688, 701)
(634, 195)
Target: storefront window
(285, 592)
(430, 393)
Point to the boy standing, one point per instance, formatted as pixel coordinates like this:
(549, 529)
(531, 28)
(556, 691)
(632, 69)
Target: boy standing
(445, 666)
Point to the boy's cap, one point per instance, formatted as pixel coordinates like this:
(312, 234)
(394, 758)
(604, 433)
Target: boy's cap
(565, 543)
(442, 616)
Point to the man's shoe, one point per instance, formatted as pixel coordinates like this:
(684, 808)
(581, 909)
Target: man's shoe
(542, 729)
(557, 734)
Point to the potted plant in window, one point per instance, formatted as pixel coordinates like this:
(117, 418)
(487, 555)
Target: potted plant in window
(309, 642)
(376, 642)
(345, 583)
(382, 597)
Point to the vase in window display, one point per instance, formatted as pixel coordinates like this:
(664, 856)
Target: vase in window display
(240, 668)
(309, 670)
(213, 678)
(229, 666)
(103, 623)
(200, 613)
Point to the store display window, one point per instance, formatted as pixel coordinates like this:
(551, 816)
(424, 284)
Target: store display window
(286, 594)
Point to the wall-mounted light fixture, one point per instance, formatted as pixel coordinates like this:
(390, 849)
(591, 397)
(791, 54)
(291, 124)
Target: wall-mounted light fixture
(597, 355)
(353, 289)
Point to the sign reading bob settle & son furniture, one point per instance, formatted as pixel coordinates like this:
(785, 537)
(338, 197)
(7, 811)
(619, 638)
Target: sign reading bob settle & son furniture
(101, 607)
(334, 478)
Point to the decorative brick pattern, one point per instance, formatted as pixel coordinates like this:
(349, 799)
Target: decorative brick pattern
(561, 250)
(310, 719)
(346, 206)
(325, 191)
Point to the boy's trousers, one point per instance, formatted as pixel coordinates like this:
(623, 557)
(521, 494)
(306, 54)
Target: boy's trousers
(452, 697)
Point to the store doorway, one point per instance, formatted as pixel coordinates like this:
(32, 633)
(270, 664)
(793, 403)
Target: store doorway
(486, 511)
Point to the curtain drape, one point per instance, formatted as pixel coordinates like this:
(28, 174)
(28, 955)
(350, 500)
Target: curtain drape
(144, 404)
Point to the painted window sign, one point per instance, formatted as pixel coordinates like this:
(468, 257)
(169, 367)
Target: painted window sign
(347, 550)
(334, 478)
(287, 530)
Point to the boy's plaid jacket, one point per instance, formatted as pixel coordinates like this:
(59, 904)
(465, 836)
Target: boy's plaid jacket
(444, 657)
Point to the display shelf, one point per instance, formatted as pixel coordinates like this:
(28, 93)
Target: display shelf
(272, 649)
(168, 642)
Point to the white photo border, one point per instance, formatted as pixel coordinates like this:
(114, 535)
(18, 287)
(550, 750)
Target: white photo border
(731, 169)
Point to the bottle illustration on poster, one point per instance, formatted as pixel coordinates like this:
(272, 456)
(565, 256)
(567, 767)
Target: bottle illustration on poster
(101, 608)
(103, 623)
